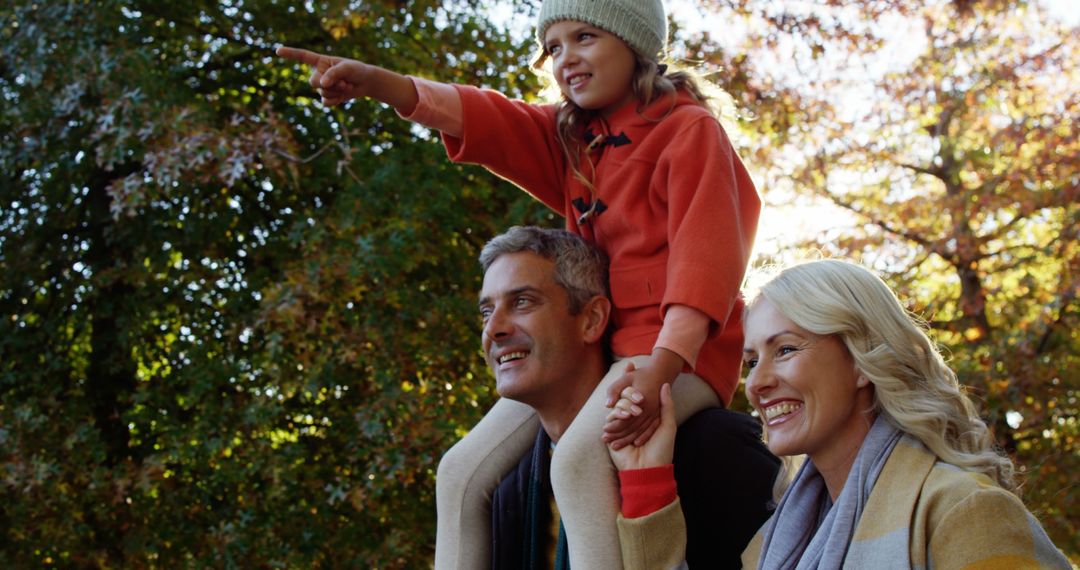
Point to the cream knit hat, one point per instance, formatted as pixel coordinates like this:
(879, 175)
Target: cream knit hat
(640, 23)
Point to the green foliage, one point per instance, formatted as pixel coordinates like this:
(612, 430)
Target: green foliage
(238, 329)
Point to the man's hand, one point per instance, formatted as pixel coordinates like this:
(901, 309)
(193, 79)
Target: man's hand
(659, 449)
(338, 80)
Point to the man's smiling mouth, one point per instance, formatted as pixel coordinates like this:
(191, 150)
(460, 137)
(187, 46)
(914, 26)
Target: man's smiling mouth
(512, 356)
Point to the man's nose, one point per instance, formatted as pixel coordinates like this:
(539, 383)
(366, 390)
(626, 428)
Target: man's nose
(498, 325)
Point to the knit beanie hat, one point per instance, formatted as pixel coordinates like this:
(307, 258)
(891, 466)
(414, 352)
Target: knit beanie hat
(640, 23)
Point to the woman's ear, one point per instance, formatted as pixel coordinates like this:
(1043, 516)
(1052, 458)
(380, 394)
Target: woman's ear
(595, 317)
(861, 381)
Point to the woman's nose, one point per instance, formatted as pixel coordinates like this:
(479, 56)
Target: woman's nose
(760, 380)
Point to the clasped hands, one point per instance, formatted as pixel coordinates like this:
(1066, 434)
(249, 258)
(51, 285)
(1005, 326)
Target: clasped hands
(639, 431)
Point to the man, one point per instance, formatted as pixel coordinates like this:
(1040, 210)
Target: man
(546, 314)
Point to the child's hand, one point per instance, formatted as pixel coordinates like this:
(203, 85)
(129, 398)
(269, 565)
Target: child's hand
(635, 420)
(659, 449)
(337, 79)
(633, 417)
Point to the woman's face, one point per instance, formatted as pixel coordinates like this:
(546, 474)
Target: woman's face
(805, 387)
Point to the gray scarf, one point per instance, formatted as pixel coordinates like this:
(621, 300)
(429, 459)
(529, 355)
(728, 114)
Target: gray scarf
(808, 530)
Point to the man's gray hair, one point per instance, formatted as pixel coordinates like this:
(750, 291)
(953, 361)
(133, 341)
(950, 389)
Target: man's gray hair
(580, 267)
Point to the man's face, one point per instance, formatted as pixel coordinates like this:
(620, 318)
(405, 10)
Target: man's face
(531, 341)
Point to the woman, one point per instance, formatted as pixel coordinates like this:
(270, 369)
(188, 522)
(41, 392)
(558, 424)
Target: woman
(900, 470)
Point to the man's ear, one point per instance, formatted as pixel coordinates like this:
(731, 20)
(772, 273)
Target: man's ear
(595, 313)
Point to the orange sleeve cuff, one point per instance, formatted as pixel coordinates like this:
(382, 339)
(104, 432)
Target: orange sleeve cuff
(645, 491)
(438, 107)
(684, 332)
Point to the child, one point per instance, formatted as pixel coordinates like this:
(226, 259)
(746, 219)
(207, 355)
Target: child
(636, 162)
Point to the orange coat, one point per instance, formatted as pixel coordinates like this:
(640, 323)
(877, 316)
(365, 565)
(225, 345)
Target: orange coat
(680, 218)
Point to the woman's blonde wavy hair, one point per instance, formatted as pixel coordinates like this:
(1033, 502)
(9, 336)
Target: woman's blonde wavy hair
(912, 383)
(650, 81)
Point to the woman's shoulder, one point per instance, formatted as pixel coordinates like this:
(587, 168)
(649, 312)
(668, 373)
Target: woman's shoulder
(948, 485)
(919, 483)
(952, 497)
(955, 516)
(967, 518)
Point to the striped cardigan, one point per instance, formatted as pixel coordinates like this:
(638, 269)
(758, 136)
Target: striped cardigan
(944, 516)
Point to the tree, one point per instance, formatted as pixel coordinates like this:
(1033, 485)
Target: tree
(232, 333)
(947, 132)
(238, 329)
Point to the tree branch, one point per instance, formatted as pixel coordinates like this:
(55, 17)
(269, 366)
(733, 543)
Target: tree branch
(1066, 299)
(908, 235)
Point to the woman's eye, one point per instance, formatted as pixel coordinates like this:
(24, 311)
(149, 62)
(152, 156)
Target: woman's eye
(552, 50)
(750, 363)
(785, 350)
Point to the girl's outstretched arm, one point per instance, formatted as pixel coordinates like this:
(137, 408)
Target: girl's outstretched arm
(340, 79)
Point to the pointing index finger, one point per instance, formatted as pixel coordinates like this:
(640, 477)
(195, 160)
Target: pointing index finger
(304, 56)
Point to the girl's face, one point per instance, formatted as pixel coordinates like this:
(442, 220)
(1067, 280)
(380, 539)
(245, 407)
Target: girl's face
(593, 68)
(805, 387)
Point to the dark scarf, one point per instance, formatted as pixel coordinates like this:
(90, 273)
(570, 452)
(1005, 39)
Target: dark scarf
(521, 514)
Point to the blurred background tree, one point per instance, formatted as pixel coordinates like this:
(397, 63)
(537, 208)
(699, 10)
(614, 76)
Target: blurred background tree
(238, 329)
(937, 143)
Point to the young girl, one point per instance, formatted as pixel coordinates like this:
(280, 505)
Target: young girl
(636, 161)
